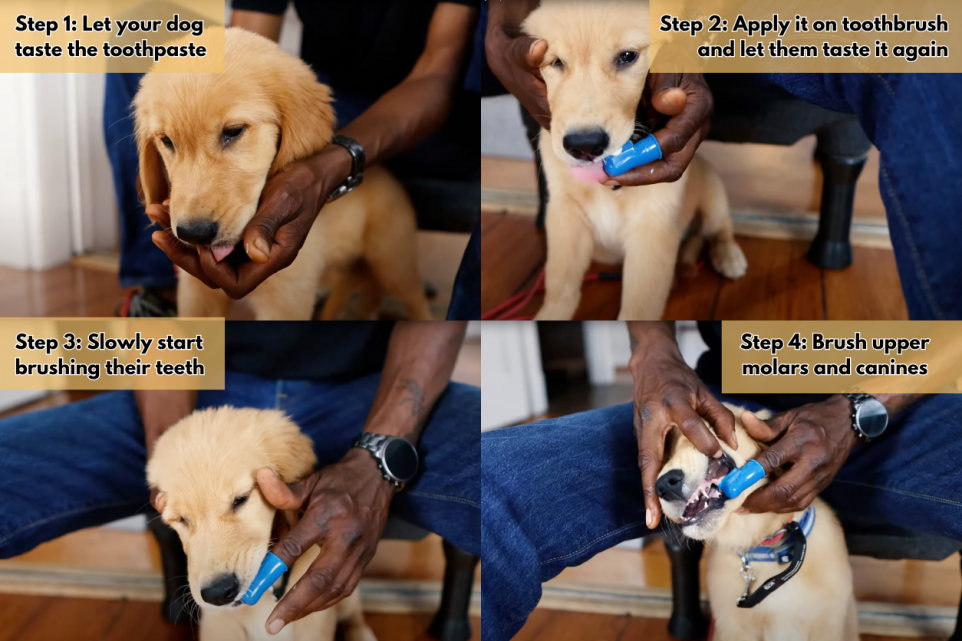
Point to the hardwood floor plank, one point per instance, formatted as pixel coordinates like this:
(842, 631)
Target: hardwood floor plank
(409, 627)
(68, 619)
(780, 284)
(141, 620)
(17, 612)
(537, 620)
(598, 627)
(510, 253)
(580, 626)
(870, 288)
(694, 298)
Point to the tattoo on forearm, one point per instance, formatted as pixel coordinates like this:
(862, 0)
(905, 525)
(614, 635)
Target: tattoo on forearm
(416, 398)
(634, 342)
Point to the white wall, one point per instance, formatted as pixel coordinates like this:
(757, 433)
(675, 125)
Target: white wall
(512, 376)
(502, 132)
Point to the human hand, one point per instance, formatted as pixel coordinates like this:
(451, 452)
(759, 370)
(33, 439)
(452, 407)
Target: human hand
(290, 201)
(687, 100)
(667, 393)
(812, 442)
(345, 507)
(516, 61)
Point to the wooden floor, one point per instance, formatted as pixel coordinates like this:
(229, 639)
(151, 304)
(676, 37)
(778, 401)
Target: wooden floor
(780, 283)
(37, 618)
(553, 625)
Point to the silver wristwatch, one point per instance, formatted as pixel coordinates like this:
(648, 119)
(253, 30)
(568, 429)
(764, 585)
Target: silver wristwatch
(358, 162)
(397, 459)
(869, 416)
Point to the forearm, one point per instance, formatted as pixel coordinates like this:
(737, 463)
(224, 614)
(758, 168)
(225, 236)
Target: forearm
(896, 403)
(419, 363)
(421, 103)
(649, 334)
(159, 409)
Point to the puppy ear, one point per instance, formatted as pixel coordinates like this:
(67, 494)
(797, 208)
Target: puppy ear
(153, 175)
(291, 452)
(306, 116)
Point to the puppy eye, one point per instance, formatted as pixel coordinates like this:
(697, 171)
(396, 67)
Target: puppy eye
(239, 501)
(626, 58)
(182, 521)
(167, 142)
(231, 133)
(558, 64)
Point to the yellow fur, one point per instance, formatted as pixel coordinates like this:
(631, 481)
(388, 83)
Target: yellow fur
(642, 227)
(200, 465)
(288, 116)
(817, 604)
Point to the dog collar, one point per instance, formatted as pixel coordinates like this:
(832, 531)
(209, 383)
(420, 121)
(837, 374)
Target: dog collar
(787, 545)
(777, 547)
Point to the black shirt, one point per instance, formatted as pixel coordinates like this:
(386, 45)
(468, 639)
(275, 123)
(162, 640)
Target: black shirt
(306, 350)
(363, 46)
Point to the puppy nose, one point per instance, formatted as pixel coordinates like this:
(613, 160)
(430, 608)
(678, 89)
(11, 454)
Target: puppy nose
(197, 232)
(586, 144)
(669, 485)
(221, 591)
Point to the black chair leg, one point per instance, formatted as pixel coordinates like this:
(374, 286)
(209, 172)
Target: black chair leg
(177, 598)
(687, 621)
(452, 623)
(957, 635)
(533, 131)
(832, 247)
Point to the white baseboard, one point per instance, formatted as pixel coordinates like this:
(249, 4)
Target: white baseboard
(784, 225)
(399, 596)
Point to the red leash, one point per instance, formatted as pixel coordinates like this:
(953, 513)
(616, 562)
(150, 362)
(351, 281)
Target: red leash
(514, 304)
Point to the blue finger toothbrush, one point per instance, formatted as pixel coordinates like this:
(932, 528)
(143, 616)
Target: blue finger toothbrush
(741, 478)
(271, 569)
(631, 155)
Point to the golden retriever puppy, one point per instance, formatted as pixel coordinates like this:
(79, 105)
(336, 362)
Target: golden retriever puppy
(816, 604)
(204, 470)
(208, 142)
(595, 69)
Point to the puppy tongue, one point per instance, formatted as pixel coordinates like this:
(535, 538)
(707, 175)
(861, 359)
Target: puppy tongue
(593, 173)
(221, 252)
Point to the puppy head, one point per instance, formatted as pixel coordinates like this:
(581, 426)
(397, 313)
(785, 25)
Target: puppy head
(204, 468)
(210, 141)
(687, 486)
(595, 70)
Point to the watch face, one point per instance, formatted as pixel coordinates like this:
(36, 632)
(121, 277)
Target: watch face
(872, 418)
(401, 459)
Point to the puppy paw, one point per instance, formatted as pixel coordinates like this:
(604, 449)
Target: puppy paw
(728, 260)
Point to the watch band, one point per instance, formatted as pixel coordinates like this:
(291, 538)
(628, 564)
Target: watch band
(358, 163)
(375, 444)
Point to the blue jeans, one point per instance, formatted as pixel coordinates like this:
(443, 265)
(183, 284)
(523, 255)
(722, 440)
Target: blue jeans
(82, 464)
(142, 263)
(915, 122)
(556, 493)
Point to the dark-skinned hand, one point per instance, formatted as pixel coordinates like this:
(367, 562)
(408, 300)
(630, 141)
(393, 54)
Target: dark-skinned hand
(809, 443)
(687, 101)
(668, 393)
(516, 60)
(344, 507)
(289, 203)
